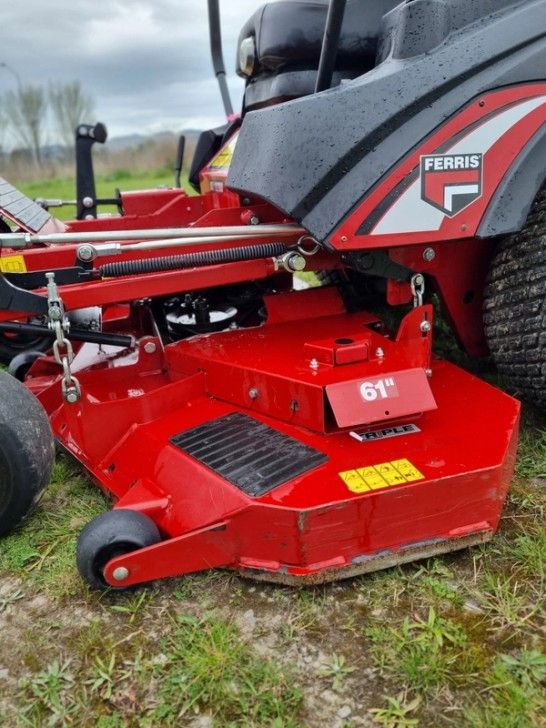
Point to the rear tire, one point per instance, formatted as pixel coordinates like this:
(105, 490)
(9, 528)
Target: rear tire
(27, 452)
(515, 307)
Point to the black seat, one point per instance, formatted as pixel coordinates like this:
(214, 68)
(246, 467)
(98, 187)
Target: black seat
(280, 47)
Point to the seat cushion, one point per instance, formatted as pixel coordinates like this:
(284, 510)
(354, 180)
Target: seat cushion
(287, 33)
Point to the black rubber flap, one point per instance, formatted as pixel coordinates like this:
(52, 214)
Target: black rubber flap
(250, 455)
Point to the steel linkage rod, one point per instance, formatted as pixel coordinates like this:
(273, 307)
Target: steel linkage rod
(21, 240)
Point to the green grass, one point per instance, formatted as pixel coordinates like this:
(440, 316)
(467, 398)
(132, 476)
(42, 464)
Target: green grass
(200, 667)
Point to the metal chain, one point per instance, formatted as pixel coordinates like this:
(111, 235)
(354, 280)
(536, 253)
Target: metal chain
(62, 347)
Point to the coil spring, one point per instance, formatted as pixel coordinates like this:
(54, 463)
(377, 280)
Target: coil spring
(191, 260)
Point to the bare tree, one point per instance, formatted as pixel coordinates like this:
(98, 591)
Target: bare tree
(70, 106)
(26, 112)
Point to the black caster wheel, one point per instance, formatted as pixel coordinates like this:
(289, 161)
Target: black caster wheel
(21, 363)
(13, 344)
(109, 535)
(27, 452)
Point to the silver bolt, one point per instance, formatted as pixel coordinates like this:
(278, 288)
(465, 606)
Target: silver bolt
(120, 574)
(88, 202)
(429, 254)
(55, 313)
(314, 364)
(86, 253)
(425, 326)
(150, 347)
(379, 352)
(71, 395)
(253, 393)
(428, 372)
(254, 220)
(295, 262)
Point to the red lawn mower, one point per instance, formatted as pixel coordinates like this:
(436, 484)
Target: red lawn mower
(238, 420)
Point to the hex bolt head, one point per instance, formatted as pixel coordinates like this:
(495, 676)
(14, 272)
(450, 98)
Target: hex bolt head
(71, 396)
(253, 393)
(150, 347)
(425, 326)
(429, 254)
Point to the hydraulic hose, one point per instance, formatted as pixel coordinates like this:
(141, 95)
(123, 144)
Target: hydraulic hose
(191, 260)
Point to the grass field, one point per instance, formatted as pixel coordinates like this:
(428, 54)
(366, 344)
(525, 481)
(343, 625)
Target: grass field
(64, 188)
(457, 640)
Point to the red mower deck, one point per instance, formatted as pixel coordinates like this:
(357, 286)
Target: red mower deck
(299, 452)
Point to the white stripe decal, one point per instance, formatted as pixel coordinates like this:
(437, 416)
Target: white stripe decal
(410, 213)
(450, 192)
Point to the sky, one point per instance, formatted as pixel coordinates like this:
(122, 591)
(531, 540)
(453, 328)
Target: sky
(145, 63)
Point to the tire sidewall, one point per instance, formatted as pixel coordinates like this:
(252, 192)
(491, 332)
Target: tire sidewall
(27, 452)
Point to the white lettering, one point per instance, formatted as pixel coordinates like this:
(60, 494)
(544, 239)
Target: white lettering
(445, 162)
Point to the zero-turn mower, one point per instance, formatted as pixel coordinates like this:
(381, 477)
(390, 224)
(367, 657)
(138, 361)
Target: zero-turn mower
(396, 151)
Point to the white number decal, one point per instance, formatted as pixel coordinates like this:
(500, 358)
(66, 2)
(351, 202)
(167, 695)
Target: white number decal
(379, 388)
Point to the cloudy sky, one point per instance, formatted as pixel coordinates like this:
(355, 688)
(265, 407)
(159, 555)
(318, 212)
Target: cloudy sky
(146, 63)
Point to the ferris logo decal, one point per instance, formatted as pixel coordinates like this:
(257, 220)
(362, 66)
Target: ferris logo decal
(451, 182)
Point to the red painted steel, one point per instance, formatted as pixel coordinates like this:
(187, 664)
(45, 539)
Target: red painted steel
(440, 480)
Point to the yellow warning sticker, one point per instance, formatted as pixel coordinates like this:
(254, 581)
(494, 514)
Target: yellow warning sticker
(12, 264)
(223, 159)
(383, 475)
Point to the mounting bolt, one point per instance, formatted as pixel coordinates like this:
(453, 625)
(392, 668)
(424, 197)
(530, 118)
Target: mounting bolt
(425, 326)
(120, 574)
(253, 393)
(71, 395)
(428, 372)
(150, 347)
(86, 253)
(295, 262)
(379, 352)
(429, 254)
(88, 202)
(314, 364)
(55, 313)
